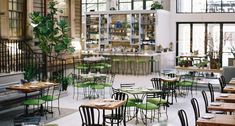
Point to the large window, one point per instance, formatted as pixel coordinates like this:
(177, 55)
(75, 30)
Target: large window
(205, 6)
(206, 37)
(93, 5)
(16, 17)
(38, 6)
(134, 4)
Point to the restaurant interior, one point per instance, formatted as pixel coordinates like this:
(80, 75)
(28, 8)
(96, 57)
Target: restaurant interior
(117, 62)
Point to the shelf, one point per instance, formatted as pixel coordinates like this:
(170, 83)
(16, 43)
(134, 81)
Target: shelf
(119, 40)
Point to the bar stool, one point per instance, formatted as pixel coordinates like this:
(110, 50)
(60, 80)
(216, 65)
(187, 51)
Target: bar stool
(116, 65)
(153, 64)
(140, 65)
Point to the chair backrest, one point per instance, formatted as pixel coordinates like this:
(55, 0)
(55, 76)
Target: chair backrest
(222, 85)
(90, 116)
(121, 111)
(210, 86)
(183, 117)
(196, 110)
(205, 100)
(172, 75)
(127, 85)
(223, 79)
(156, 83)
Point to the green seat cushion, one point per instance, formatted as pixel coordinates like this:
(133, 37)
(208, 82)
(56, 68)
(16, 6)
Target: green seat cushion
(97, 67)
(185, 83)
(147, 106)
(49, 98)
(82, 85)
(82, 66)
(33, 102)
(97, 86)
(136, 100)
(157, 101)
(107, 65)
(130, 104)
(107, 84)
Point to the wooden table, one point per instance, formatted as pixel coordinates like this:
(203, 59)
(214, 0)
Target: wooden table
(31, 87)
(105, 104)
(229, 89)
(232, 81)
(230, 98)
(218, 120)
(227, 107)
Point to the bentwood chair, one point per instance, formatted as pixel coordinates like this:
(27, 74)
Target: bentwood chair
(222, 85)
(196, 109)
(90, 116)
(211, 92)
(183, 117)
(118, 115)
(205, 101)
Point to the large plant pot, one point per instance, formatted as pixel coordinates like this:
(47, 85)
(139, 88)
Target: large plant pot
(231, 61)
(214, 64)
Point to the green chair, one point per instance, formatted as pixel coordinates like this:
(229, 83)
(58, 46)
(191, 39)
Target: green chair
(145, 107)
(97, 90)
(186, 82)
(84, 85)
(97, 67)
(53, 93)
(82, 67)
(37, 101)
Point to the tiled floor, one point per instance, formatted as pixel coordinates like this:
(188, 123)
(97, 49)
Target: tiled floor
(140, 81)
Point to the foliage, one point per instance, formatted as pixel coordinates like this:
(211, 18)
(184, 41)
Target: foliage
(30, 72)
(51, 32)
(233, 51)
(64, 80)
(156, 5)
(202, 64)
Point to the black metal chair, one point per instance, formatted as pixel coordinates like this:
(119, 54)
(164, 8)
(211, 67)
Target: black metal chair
(222, 85)
(211, 89)
(196, 110)
(118, 115)
(205, 100)
(183, 117)
(156, 83)
(90, 116)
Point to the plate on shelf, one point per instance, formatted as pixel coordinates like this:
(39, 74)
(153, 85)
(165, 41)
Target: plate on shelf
(224, 95)
(215, 104)
(208, 116)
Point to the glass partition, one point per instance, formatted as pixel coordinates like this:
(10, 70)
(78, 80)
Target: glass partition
(198, 37)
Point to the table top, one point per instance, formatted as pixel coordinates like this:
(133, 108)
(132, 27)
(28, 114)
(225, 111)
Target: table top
(229, 88)
(217, 120)
(232, 81)
(226, 97)
(221, 106)
(94, 59)
(107, 104)
(139, 90)
(31, 87)
(199, 69)
(166, 79)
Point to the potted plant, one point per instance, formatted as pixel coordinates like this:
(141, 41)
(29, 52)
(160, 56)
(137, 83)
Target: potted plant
(156, 5)
(66, 81)
(30, 72)
(52, 34)
(183, 63)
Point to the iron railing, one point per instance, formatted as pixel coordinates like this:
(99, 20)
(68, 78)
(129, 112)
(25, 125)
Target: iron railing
(17, 55)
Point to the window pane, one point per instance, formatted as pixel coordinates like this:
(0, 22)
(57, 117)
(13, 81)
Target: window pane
(184, 39)
(228, 42)
(91, 1)
(199, 5)
(138, 5)
(183, 5)
(91, 7)
(198, 36)
(124, 0)
(102, 7)
(148, 5)
(228, 6)
(125, 6)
